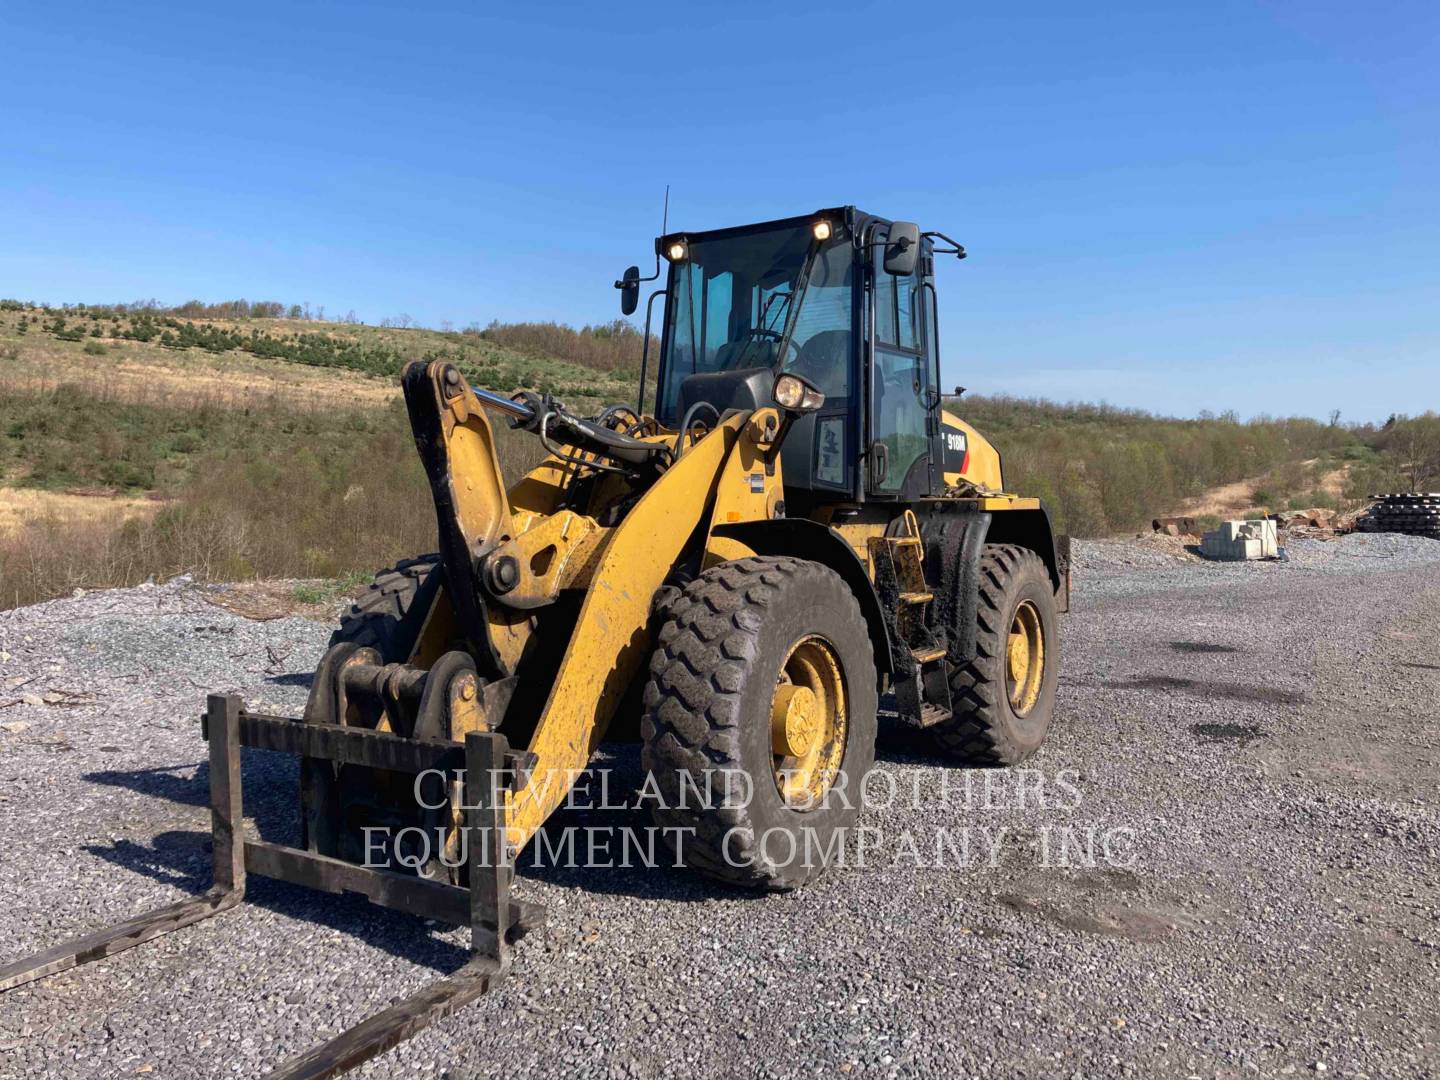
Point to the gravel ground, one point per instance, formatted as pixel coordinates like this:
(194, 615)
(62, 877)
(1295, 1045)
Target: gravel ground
(1223, 862)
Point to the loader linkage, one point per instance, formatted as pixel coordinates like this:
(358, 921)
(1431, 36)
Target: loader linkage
(734, 579)
(487, 768)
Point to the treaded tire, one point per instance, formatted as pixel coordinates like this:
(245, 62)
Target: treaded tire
(984, 729)
(374, 618)
(706, 727)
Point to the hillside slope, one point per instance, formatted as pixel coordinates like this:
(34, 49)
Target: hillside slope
(140, 353)
(228, 442)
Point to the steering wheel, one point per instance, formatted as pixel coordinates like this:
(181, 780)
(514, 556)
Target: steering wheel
(761, 333)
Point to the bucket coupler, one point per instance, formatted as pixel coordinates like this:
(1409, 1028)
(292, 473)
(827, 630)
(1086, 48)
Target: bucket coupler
(485, 770)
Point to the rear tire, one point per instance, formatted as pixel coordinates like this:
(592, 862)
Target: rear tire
(739, 639)
(988, 726)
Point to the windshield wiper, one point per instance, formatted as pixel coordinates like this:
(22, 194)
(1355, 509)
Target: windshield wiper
(797, 298)
(793, 299)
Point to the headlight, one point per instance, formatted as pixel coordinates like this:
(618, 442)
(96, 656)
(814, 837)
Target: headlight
(796, 394)
(821, 229)
(677, 251)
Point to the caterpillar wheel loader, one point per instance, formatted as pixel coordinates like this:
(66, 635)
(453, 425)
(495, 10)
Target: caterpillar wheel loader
(796, 531)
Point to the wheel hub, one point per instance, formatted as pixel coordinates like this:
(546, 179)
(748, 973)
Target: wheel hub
(795, 720)
(809, 721)
(1025, 659)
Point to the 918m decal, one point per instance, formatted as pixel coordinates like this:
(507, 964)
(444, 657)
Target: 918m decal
(957, 450)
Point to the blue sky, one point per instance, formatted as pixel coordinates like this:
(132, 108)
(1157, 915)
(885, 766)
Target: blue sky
(1175, 206)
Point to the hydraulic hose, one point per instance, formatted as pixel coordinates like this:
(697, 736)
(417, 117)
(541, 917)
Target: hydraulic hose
(527, 409)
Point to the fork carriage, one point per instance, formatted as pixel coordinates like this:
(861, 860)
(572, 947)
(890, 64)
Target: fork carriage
(484, 767)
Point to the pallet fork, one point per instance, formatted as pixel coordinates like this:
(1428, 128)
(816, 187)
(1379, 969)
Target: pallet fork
(487, 768)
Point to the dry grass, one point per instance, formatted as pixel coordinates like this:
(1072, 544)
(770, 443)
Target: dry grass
(321, 599)
(271, 494)
(587, 367)
(21, 508)
(236, 520)
(147, 374)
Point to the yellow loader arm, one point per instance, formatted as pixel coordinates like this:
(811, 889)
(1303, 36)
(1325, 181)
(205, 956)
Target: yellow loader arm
(609, 642)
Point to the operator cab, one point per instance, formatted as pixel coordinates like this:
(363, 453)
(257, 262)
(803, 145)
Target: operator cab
(841, 298)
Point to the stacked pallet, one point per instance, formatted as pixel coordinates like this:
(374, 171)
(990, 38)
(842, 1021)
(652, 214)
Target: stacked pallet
(1415, 513)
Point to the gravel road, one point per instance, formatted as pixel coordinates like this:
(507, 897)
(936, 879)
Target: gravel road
(1223, 862)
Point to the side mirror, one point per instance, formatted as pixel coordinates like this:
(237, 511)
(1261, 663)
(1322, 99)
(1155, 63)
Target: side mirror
(902, 248)
(629, 286)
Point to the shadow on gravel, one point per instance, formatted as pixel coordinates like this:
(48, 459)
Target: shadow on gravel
(182, 859)
(271, 782)
(900, 744)
(295, 678)
(607, 805)
(1263, 695)
(1201, 647)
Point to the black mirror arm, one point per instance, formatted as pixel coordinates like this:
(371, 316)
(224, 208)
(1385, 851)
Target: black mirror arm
(903, 243)
(641, 280)
(957, 249)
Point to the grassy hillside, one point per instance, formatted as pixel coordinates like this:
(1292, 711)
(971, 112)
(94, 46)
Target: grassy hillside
(136, 349)
(231, 442)
(1105, 470)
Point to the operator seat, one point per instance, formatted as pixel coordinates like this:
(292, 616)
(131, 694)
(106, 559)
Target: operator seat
(825, 361)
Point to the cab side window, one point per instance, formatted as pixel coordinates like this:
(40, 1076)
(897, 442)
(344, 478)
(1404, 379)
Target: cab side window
(898, 414)
(885, 309)
(895, 310)
(905, 303)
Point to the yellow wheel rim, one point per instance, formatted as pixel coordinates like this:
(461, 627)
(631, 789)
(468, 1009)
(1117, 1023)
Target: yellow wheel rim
(1025, 659)
(808, 723)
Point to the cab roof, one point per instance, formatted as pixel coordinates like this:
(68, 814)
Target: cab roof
(853, 218)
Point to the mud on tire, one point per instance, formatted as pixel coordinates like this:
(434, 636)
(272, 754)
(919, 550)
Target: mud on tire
(707, 728)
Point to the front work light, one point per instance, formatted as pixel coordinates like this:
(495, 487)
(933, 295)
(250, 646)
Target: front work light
(677, 251)
(795, 394)
(821, 229)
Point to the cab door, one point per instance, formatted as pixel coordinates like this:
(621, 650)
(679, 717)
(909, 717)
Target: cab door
(900, 375)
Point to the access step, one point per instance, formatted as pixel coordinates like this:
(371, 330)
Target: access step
(930, 715)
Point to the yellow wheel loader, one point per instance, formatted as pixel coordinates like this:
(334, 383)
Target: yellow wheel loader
(794, 533)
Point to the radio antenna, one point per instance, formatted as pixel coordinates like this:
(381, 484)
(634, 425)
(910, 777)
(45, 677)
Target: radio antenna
(664, 225)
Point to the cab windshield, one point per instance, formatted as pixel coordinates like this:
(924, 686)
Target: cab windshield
(773, 298)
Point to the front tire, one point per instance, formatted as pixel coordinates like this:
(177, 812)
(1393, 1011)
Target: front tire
(759, 722)
(375, 618)
(1004, 698)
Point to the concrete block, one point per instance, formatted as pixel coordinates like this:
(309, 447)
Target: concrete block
(1239, 540)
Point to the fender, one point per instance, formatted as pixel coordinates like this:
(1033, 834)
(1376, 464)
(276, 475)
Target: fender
(811, 540)
(1032, 529)
(955, 540)
(954, 543)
